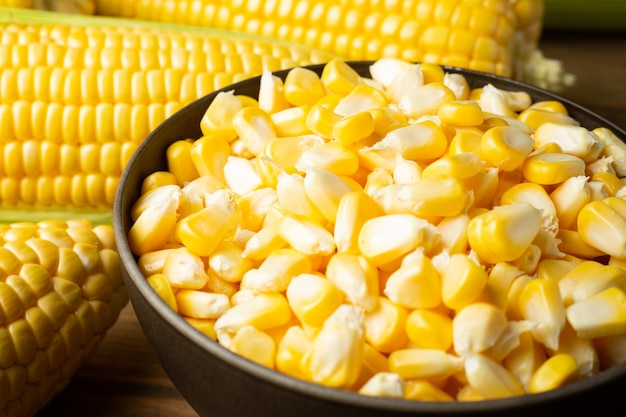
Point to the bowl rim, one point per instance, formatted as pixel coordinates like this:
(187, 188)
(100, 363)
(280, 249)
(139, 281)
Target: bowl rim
(175, 321)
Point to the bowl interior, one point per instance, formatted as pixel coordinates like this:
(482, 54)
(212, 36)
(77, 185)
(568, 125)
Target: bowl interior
(175, 342)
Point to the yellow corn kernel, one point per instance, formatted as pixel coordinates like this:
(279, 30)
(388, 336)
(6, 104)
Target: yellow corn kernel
(290, 350)
(485, 187)
(572, 244)
(554, 268)
(209, 154)
(354, 209)
(540, 302)
(613, 147)
(535, 116)
(418, 141)
(385, 120)
(611, 182)
(552, 168)
(254, 207)
(601, 225)
(491, 379)
(157, 179)
(306, 236)
(588, 278)
(352, 128)
(293, 199)
(263, 242)
(313, 298)
(338, 77)
(425, 100)
(325, 189)
(161, 286)
(291, 121)
(271, 97)
(276, 271)
(356, 278)
(201, 304)
(255, 345)
(537, 196)
(184, 269)
(361, 99)
(477, 327)
(385, 326)
(453, 233)
(153, 228)
(423, 390)
(387, 238)
(581, 349)
(569, 198)
(573, 140)
(287, 151)
(462, 281)
(459, 113)
(218, 117)
(321, 120)
(303, 86)
(263, 311)
(202, 231)
(600, 315)
(384, 384)
(429, 329)
(180, 163)
(415, 284)
(166, 194)
(499, 282)
(227, 262)
(525, 359)
(406, 171)
(429, 364)
(555, 372)
(505, 232)
(204, 326)
(461, 166)
(528, 260)
(505, 147)
(430, 197)
(254, 127)
(334, 358)
(465, 141)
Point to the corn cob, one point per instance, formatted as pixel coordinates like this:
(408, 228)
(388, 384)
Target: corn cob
(61, 290)
(499, 36)
(418, 262)
(76, 100)
(62, 6)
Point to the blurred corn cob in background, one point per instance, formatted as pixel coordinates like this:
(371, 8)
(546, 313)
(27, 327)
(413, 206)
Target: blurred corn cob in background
(497, 36)
(76, 99)
(64, 6)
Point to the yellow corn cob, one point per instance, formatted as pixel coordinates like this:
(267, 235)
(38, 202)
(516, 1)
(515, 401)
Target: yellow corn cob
(499, 36)
(61, 289)
(76, 99)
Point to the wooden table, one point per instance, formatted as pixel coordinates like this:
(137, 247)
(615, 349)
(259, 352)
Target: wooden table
(124, 379)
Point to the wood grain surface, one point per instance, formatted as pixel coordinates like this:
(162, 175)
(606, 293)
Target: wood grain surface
(124, 378)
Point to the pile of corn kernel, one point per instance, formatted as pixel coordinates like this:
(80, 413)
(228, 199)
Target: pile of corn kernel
(399, 235)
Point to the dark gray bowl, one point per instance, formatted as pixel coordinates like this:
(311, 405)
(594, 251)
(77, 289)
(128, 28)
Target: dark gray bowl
(217, 382)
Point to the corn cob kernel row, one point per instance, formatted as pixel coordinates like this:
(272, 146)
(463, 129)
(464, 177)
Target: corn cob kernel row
(430, 244)
(494, 36)
(76, 99)
(61, 289)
